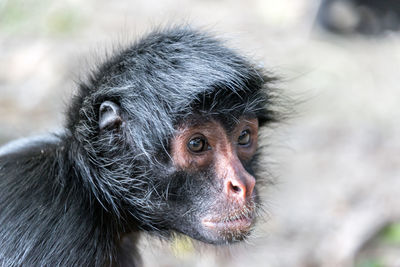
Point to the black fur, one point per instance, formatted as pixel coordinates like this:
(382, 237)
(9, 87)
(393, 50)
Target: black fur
(70, 200)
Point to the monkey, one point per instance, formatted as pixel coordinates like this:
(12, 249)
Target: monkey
(162, 138)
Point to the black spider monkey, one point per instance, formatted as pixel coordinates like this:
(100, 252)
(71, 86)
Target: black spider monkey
(161, 138)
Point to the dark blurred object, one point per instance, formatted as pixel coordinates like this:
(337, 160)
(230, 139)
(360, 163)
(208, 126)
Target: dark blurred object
(369, 17)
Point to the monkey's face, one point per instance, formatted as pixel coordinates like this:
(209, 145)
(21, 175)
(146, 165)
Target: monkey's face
(217, 198)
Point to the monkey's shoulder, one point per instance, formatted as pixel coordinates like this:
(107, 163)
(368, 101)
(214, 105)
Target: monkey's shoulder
(29, 145)
(34, 157)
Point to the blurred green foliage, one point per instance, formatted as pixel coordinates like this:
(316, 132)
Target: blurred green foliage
(389, 237)
(370, 263)
(182, 245)
(39, 16)
(63, 21)
(391, 234)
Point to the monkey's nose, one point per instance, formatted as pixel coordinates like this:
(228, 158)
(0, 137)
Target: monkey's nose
(240, 188)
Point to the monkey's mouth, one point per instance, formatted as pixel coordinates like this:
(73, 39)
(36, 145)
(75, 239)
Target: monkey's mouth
(238, 222)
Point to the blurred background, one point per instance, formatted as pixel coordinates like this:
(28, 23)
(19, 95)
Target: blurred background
(336, 201)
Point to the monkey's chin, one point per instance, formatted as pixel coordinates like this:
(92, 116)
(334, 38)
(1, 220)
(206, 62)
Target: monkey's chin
(227, 231)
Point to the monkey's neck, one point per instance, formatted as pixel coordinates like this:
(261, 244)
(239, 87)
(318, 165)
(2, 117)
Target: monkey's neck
(107, 233)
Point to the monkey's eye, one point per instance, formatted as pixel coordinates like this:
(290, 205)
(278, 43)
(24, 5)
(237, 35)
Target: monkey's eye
(244, 138)
(198, 144)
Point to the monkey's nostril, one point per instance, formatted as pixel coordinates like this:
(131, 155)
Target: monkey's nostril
(236, 188)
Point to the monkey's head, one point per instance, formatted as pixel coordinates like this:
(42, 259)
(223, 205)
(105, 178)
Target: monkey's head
(169, 128)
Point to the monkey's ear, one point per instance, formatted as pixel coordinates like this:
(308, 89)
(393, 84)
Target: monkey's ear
(109, 116)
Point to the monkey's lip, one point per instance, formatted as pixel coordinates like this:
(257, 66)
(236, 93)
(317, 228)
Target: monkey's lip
(240, 223)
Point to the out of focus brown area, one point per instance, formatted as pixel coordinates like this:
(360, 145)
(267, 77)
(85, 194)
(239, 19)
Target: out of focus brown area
(337, 160)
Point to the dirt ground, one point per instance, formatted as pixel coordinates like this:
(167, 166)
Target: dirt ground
(336, 161)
